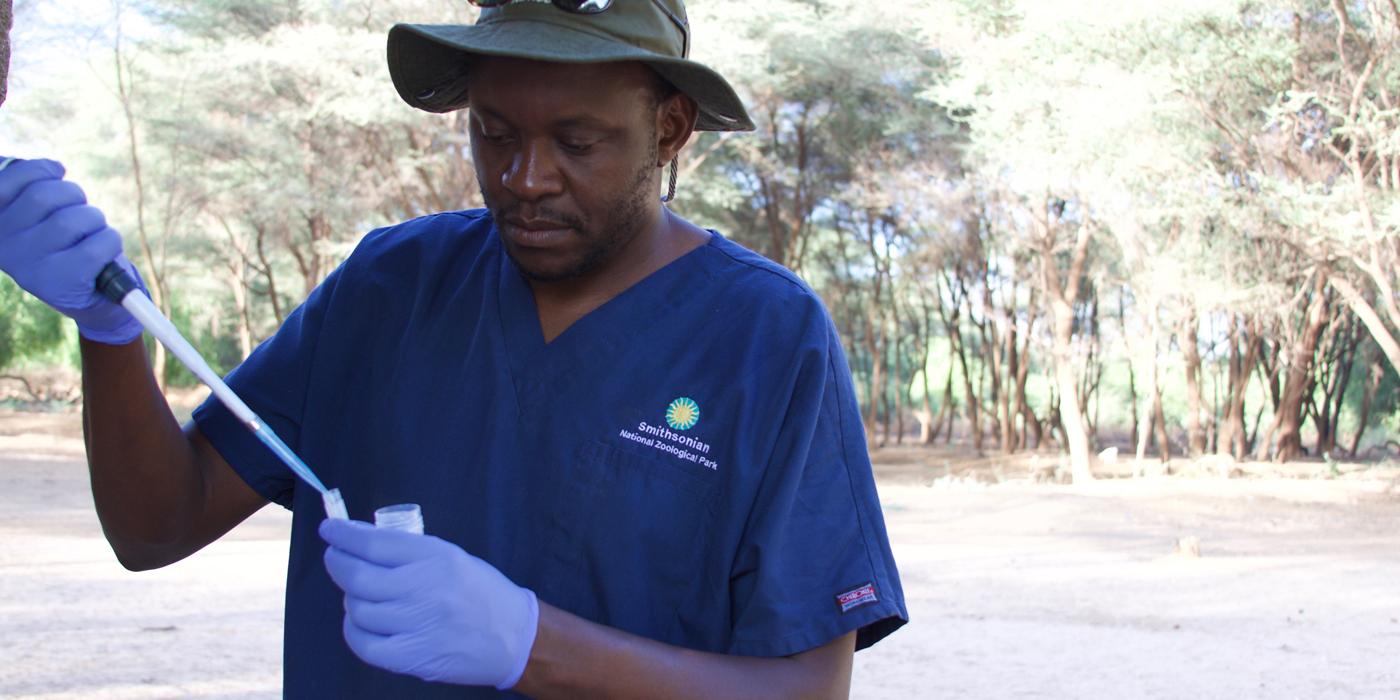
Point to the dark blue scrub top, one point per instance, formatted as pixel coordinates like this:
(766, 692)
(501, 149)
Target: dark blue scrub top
(685, 463)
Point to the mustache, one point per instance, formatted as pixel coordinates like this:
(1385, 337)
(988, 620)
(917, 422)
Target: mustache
(521, 211)
(539, 214)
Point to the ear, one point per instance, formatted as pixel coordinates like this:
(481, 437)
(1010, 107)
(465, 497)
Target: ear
(675, 122)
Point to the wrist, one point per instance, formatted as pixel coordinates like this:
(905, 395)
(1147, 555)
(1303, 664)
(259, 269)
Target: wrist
(527, 640)
(105, 320)
(123, 333)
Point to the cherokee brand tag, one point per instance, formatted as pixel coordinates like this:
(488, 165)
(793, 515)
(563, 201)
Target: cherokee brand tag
(856, 597)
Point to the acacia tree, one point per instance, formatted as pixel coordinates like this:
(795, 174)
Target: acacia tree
(6, 18)
(1300, 96)
(1344, 113)
(1033, 137)
(254, 140)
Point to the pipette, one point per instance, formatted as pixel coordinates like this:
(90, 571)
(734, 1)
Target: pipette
(115, 284)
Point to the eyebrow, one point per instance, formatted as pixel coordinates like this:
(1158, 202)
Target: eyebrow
(577, 122)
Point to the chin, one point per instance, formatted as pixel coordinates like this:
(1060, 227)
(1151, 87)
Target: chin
(540, 268)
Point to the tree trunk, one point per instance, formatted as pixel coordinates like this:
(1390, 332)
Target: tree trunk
(1010, 440)
(1154, 423)
(993, 347)
(1092, 372)
(1232, 419)
(265, 269)
(1061, 293)
(947, 409)
(875, 340)
(1358, 304)
(1341, 344)
(875, 381)
(1133, 400)
(927, 429)
(1288, 420)
(238, 283)
(1375, 372)
(6, 12)
(1071, 414)
(952, 323)
(1231, 438)
(884, 415)
(1164, 446)
(1151, 395)
(927, 432)
(1191, 357)
(899, 386)
(156, 278)
(969, 393)
(1030, 423)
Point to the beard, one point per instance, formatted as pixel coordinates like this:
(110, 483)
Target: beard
(625, 220)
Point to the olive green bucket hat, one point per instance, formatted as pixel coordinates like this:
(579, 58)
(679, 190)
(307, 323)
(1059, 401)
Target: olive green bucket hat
(428, 62)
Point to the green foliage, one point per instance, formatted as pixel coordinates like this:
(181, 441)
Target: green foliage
(904, 149)
(29, 329)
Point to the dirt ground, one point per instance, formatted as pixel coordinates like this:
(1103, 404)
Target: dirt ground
(1017, 589)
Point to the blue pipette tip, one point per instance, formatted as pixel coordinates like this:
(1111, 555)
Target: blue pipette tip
(115, 283)
(288, 457)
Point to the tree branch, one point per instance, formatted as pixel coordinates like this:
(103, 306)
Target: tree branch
(1363, 310)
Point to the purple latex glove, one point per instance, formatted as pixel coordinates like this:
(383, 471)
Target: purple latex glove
(419, 605)
(53, 243)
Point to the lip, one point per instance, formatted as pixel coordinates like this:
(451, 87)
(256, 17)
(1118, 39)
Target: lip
(536, 233)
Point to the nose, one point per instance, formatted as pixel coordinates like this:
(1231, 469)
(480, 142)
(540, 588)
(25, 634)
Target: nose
(532, 173)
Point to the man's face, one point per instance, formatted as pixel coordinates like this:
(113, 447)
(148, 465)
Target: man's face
(566, 155)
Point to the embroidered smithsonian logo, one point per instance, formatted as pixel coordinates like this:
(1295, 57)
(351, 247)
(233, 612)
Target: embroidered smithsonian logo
(856, 597)
(683, 414)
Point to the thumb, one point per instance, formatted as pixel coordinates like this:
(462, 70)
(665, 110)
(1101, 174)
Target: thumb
(380, 546)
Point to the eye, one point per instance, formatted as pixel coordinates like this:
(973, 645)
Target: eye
(494, 136)
(576, 147)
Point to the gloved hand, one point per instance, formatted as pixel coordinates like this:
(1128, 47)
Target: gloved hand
(419, 605)
(54, 244)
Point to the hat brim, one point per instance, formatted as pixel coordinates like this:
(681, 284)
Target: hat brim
(428, 64)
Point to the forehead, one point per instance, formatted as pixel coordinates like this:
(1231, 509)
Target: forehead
(497, 83)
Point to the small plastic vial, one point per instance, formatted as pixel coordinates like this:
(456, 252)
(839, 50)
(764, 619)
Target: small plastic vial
(407, 517)
(335, 505)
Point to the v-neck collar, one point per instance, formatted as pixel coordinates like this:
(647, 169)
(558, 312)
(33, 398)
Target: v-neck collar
(537, 366)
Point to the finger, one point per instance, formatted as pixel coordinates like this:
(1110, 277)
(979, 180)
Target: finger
(63, 229)
(21, 173)
(373, 649)
(37, 201)
(367, 580)
(383, 547)
(388, 616)
(91, 254)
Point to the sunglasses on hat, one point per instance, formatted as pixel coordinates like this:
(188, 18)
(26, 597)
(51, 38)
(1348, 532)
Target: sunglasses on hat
(593, 7)
(578, 7)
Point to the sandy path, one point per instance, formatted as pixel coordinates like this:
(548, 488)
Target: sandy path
(78, 625)
(1047, 592)
(1016, 590)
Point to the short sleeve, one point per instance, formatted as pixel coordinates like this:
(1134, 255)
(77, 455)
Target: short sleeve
(273, 381)
(815, 560)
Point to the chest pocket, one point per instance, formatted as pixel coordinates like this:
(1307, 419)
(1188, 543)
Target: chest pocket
(629, 538)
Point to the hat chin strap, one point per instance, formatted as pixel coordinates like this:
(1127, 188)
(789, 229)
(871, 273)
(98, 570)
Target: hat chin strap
(671, 188)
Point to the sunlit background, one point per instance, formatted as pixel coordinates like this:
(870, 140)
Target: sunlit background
(1063, 242)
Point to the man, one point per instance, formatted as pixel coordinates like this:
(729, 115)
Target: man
(635, 443)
